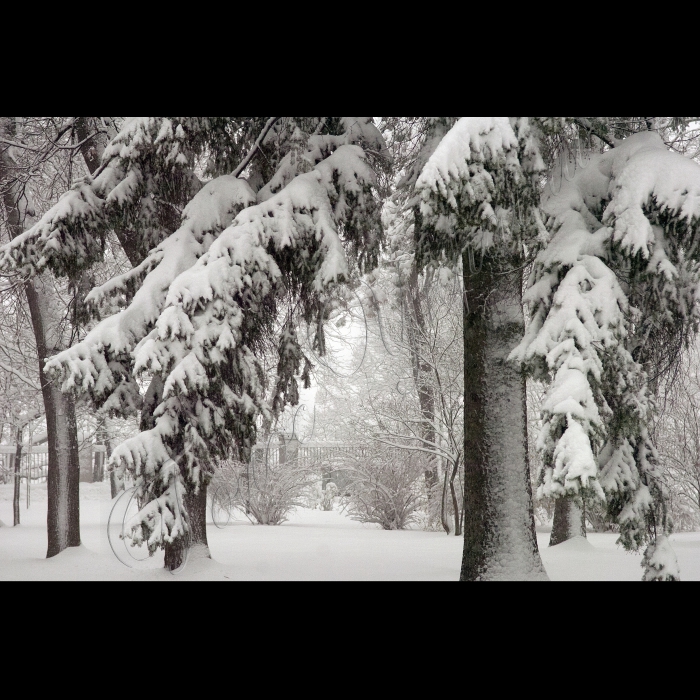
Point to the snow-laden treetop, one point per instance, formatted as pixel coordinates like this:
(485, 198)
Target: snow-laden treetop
(478, 188)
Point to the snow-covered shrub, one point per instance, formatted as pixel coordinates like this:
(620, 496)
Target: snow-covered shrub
(266, 494)
(387, 490)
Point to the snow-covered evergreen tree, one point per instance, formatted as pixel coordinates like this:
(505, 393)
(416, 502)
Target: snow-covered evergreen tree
(609, 305)
(614, 289)
(289, 213)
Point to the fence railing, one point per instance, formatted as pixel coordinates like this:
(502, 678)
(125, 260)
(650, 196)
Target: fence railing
(318, 453)
(34, 465)
(275, 454)
(332, 461)
(329, 458)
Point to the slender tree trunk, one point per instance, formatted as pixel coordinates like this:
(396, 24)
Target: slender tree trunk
(443, 510)
(569, 522)
(100, 457)
(116, 484)
(62, 429)
(500, 535)
(421, 371)
(455, 502)
(18, 477)
(98, 475)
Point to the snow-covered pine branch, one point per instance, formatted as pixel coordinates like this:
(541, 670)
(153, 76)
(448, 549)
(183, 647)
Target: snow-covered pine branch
(146, 179)
(161, 520)
(102, 363)
(218, 312)
(478, 189)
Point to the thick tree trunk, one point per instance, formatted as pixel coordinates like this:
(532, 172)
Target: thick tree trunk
(500, 535)
(93, 140)
(569, 522)
(176, 554)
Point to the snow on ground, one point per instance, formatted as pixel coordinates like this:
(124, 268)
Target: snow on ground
(313, 546)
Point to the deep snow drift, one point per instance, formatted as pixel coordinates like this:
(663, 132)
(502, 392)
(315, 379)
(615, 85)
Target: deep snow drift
(314, 546)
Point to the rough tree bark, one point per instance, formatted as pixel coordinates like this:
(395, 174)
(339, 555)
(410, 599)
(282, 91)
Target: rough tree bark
(569, 522)
(64, 464)
(500, 536)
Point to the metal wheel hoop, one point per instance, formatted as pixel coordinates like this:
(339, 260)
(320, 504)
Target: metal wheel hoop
(128, 560)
